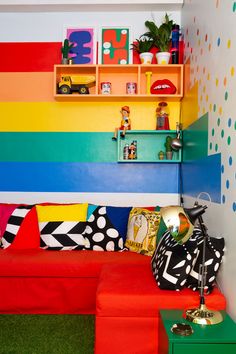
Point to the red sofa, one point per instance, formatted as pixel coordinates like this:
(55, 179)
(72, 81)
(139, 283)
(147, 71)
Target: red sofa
(39, 281)
(118, 287)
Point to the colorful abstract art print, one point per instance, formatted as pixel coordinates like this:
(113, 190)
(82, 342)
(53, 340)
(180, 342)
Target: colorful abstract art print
(114, 46)
(84, 49)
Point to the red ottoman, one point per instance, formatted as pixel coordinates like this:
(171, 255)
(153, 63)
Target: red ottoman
(127, 309)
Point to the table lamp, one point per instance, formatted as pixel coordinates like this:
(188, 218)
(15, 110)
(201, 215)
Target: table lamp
(180, 222)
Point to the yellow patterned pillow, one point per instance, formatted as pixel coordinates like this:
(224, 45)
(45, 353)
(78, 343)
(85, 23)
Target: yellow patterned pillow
(143, 225)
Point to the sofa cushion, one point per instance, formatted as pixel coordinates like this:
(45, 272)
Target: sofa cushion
(118, 216)
(143, 225)
(14, 223)
(61, 226)
(100, 233)
(40, 263)
(127, 290)
(172, 262)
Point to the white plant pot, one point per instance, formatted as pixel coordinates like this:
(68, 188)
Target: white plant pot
(146, 58)
(163, 58)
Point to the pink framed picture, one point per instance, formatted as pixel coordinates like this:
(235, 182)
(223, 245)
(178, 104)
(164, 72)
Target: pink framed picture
(114, 45)
(84, 49)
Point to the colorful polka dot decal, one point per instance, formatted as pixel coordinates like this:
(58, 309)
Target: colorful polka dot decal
(212, 58)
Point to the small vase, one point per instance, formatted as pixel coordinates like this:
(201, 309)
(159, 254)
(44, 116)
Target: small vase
(65, 61)
(163, 58)
(146, 58)
(169, 155)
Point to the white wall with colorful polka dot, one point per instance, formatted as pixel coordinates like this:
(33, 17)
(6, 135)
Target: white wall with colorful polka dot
(209, 122)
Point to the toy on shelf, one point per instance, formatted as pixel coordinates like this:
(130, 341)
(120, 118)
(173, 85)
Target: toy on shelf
(133, 150)
(161, 155)
(163, 87)
(125, 122)
(80, 83)
(162, 116)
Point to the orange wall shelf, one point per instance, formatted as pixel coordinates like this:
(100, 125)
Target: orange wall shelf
(118, 76)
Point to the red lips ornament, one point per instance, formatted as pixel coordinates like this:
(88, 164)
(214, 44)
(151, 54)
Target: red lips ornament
(165, 87)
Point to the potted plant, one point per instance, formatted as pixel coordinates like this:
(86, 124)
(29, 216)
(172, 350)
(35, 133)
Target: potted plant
(161, 37)
(169, 151)
(143, 46)
(65, 49)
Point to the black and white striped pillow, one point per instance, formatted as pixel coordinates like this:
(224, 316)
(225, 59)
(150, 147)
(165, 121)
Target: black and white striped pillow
(13, 225)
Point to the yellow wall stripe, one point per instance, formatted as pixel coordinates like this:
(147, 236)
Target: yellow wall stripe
(190, 101)
(78, 116)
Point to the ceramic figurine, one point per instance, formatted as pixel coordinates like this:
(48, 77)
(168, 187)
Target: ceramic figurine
(125, 122)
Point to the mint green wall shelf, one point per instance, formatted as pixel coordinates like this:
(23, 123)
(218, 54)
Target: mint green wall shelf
(149, 143)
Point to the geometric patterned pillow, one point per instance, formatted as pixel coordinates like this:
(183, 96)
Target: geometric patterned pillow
(172, 262)
(62, 235)
(61, 226)
(118, 217)
(100, 234)
(213, 259)
(13, 225)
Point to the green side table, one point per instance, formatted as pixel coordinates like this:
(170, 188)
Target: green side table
(211, 339)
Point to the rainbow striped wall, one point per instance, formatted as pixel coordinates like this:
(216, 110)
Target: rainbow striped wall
(66, 147)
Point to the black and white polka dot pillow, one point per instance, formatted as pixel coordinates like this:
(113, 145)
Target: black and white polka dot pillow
(172, 262)
(99, 234)
(214, 256)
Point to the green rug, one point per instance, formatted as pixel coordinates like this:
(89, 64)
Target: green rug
(46, 334)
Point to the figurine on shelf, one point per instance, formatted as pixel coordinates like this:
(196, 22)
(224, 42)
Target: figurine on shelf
(161, 155)
(133, 150)
(162, 114)
(125, 122)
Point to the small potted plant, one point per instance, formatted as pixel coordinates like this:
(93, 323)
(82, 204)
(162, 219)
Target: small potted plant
(161, 37)
(169, 150)
(65, 49)
(143, 46)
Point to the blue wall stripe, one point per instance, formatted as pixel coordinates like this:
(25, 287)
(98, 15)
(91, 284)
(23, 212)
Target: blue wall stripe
(89, 177)
(203, 176)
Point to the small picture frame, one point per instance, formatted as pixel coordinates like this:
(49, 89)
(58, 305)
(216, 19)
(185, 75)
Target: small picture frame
(114, 45)
(84, 50)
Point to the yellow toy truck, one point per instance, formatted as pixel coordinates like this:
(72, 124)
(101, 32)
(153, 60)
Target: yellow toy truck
(72, 83)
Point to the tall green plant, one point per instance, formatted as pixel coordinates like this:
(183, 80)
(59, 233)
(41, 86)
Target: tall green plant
(161, 36)
(168, 143)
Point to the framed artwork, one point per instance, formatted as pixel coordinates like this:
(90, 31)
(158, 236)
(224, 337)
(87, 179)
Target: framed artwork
(84, 49)
(114, 45)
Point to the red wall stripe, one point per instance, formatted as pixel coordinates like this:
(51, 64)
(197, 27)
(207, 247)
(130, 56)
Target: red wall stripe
(29, 56)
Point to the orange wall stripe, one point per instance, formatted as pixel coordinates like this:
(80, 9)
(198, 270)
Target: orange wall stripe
(26, 87)
(29, 56)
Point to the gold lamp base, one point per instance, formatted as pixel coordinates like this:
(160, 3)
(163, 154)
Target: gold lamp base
(203, 316)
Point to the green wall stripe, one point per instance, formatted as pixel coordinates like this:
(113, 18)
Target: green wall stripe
(57, 147)
(196, 140)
